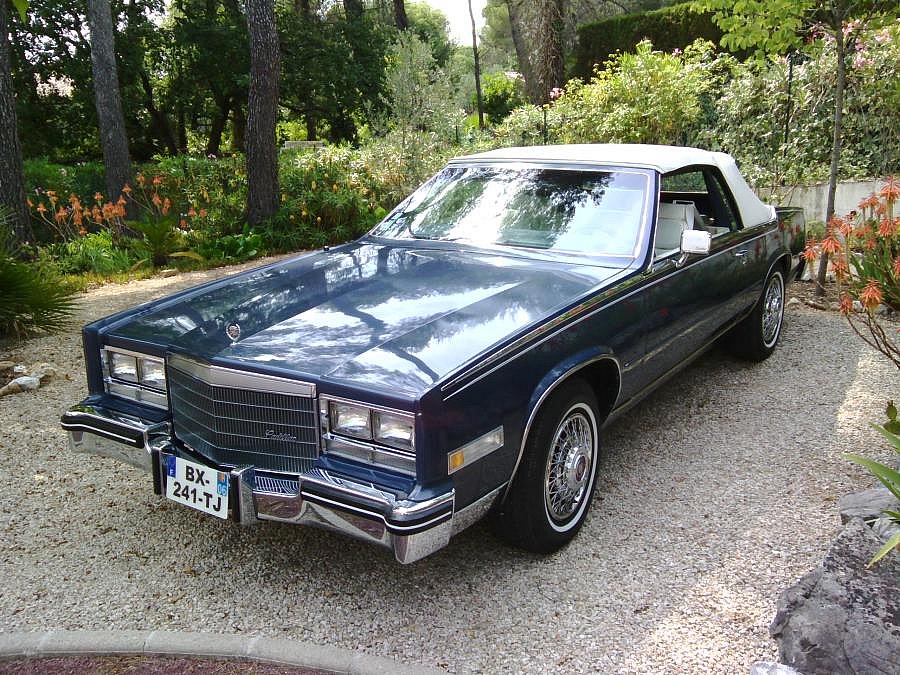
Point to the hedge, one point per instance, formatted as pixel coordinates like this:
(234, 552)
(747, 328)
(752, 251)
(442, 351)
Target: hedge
(668, 28)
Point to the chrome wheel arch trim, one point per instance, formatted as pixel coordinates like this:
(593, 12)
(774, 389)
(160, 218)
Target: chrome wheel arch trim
(543, 397)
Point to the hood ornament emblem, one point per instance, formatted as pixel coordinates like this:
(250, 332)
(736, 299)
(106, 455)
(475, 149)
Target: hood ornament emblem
(233, 331)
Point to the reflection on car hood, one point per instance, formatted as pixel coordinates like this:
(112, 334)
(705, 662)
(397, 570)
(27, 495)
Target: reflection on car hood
(397, 318)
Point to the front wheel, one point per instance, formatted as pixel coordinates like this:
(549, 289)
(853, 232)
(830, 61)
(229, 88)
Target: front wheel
(550, 495)
(756, 336)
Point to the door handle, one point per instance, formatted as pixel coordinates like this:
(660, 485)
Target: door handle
(742, 254)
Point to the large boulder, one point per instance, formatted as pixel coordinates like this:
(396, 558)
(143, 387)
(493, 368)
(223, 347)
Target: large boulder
(843, 617)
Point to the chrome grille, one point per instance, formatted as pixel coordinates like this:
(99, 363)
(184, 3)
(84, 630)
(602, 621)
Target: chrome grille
(236, 425)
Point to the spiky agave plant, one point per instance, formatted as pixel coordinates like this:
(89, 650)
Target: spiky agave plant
(33, 299)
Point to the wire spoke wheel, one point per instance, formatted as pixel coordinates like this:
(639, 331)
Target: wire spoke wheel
(569, 465)
(773, 310)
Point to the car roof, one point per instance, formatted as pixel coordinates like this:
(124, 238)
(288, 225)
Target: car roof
(661, 158)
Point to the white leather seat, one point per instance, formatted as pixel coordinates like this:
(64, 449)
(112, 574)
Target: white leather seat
(672, 220)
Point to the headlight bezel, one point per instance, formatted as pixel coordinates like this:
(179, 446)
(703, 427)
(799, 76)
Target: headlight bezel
(148, 390)
(366, 443)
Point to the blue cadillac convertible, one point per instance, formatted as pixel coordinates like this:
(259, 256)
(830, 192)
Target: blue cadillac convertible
(459, 361)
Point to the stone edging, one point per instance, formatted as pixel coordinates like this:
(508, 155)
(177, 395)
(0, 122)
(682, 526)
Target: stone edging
(56, 643)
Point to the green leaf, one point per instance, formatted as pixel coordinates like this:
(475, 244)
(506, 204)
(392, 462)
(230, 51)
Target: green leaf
(893, 515)
(893, 439)
(888, 477)
(891, 544)
(891, 411)
(22, 7)
(187, 254)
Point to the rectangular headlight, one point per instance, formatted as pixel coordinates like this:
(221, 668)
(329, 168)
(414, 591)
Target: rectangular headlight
(153, 373)
(349, 419)
(394, 430)
(123, 367)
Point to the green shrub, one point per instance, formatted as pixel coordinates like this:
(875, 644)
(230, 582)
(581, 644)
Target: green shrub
(668, 28)
(95, 252)
(647, 96)
(33, 298)
(500, 95)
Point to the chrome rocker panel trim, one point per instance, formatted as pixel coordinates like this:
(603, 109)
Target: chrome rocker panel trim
(411, 529)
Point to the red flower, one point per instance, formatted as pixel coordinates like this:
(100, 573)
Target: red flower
(869, 202)
(886, 228)
(897, 267)
(871, 296)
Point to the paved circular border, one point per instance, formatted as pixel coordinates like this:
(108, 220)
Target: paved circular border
(56, 643)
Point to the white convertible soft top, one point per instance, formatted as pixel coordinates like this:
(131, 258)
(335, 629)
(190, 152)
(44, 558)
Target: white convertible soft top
(662, 158)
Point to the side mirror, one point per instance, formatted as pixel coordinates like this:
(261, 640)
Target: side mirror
(696, 241)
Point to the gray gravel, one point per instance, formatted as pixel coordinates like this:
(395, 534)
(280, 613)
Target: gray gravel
(716, 493)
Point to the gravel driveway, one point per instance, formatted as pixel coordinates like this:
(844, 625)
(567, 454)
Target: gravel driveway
(716, 493)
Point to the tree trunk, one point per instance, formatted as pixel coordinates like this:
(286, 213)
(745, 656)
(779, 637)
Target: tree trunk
(477, 70)
(310, 117)
(113, 139)
(550, 63)
(400, 19)
(12, 178)
(262, 150)
(836, 141)
(353, 9)
(239, 129)
(160, 118)
(514, 7)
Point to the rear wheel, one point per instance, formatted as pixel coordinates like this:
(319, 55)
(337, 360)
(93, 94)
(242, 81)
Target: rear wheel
(756, 336)
(550, 495)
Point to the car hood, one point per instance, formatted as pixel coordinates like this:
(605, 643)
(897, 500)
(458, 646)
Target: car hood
(389, 316)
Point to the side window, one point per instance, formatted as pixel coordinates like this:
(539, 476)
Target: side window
(684, 204)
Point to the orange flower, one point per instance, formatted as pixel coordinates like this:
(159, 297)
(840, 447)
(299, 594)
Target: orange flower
(166, 206)
(191, 212)
(82, 231)
(157, 180)
(30, 203)
(60, 215)
(840, 268)
(96, 215)
(846, 304)
(121, 201)
(831, 245)
(86, 213)
(182, 224)
(897, 267)
(871, 295)
(810, 254)
(846, 227)
(98, 197)
(871, 243)
(156, 200)
(203, 213)
(869, 202)
(140, 179)
(76, 216)
(886, 228)
(127, 189)
(41, 208)
(891, 189)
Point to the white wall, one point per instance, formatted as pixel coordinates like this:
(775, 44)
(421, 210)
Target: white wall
(812, 197)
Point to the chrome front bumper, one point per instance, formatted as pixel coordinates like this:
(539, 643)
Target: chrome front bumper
(411, 529)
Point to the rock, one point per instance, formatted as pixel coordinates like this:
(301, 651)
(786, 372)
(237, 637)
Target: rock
(867, 504)
(793, 302)
(169, 272)
(7, 365)
(19, 369)
(857, 306)
(770, 668)
(885, 527)
(20, 384)
(815, 304)
(843, 617)
(44, 372)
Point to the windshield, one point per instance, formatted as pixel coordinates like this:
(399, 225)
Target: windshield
(590, 212)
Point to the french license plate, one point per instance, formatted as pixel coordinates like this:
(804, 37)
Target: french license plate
(197, 486)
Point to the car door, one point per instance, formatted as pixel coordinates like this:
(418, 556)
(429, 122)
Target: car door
(689, 299)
